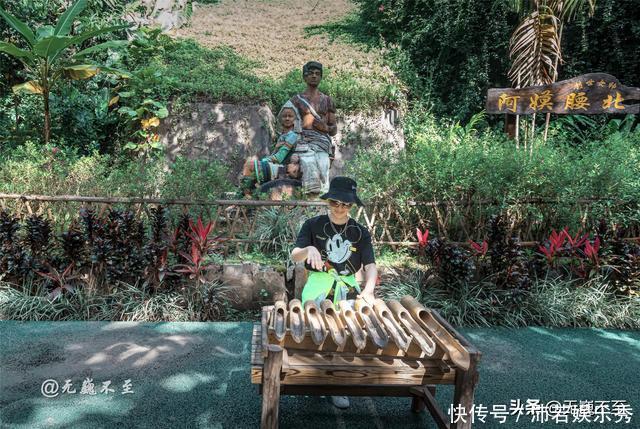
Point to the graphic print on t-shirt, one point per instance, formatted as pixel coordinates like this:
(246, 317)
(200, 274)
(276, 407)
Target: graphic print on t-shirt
(346, 248)
(338, 249)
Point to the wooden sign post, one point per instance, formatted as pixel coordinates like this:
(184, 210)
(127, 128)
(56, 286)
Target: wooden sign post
(589, 94)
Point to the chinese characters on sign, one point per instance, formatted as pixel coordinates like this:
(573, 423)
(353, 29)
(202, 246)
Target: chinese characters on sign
(50, 388)
(588, 94)
(599, 412)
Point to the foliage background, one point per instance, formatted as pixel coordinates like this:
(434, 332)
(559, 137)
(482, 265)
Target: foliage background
(459, 48)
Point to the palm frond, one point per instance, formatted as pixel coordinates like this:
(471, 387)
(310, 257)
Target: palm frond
(569, 9)
(534, 48)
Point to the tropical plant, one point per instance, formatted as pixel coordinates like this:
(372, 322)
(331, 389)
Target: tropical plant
(536, 44)
(61, 281)
(52, 54)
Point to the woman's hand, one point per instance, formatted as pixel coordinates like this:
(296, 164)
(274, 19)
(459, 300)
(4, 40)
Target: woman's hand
(368, 296)
(313, 258)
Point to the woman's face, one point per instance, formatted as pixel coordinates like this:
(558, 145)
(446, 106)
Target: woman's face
(338, 208)
(287, 118)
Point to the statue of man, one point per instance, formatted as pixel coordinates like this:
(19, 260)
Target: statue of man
(318, 116)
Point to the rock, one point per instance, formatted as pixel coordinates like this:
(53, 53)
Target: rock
(300, 278)
(164, 5)
(167, 20)
(358, 131)
(252, 285)
(168, 14)
(218, 131)
(269, 286)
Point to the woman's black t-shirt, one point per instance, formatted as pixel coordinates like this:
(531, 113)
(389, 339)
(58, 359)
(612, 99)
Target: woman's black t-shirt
(347, 247)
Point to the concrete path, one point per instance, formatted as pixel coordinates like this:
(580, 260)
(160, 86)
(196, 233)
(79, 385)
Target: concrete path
(196, 375)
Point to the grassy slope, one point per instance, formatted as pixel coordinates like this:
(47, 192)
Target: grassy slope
(277, 38)
(273, 34)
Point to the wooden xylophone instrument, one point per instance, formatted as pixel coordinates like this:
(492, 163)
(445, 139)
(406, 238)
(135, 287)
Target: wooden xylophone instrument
(394, 348)
(402, 328)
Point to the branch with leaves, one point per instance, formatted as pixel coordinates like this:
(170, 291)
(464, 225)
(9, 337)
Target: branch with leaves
(52, 53)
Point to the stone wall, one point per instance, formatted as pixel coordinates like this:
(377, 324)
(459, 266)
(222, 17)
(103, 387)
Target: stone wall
(218, 131)
(167, 14)
(233, 133)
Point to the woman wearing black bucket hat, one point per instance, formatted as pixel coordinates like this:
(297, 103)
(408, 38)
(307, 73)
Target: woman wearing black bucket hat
(335, 247)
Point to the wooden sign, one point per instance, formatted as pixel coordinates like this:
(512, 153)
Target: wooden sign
(589, 94)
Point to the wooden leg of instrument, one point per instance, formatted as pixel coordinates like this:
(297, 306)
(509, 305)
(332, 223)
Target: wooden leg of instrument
(418, 403)
(271, 387)
(463, 395)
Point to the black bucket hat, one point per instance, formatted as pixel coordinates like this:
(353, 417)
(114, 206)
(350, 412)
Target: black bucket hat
(342, 189)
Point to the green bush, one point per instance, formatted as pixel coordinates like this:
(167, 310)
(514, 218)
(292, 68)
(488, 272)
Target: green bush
(35, 169)
(183, 69)
(550, 302)
(444, 162)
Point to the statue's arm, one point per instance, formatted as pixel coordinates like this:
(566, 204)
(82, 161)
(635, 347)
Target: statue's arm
(332, 124)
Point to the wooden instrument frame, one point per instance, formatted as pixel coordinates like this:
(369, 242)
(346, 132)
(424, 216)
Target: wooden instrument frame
(278, 366)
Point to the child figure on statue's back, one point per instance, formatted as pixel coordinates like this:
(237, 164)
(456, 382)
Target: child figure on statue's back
(280, 164)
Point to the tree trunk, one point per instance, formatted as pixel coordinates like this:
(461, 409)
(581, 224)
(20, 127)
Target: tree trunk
(47, 117)
(555, 78)
(16, 108)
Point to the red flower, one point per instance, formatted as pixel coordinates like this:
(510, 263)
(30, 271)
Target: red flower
(381, 8)
(422, 237)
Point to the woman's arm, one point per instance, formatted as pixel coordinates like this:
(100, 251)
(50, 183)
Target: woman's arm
(370, 278)
(310, 254)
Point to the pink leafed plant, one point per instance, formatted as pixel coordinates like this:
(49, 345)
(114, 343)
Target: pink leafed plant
(480, 249)
(423, 237)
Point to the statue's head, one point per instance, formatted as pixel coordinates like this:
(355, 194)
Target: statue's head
(287, 117)
(312, 73)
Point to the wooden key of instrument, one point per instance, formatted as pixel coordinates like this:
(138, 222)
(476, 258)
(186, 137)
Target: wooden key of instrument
(334, 323)
(395, 331)
(315, 322)
(457, 353)
(296, 321)
(350, 320)
(367, 318)
(427, 345)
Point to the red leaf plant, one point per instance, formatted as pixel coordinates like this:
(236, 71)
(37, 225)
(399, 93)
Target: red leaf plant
(195, 266)
(577, 241)
(556, 241)
(591, 251)
(199, 235)
(61, 281)
(423, 238)
(479, 249)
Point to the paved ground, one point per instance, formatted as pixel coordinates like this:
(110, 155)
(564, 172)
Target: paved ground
(196, 375)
